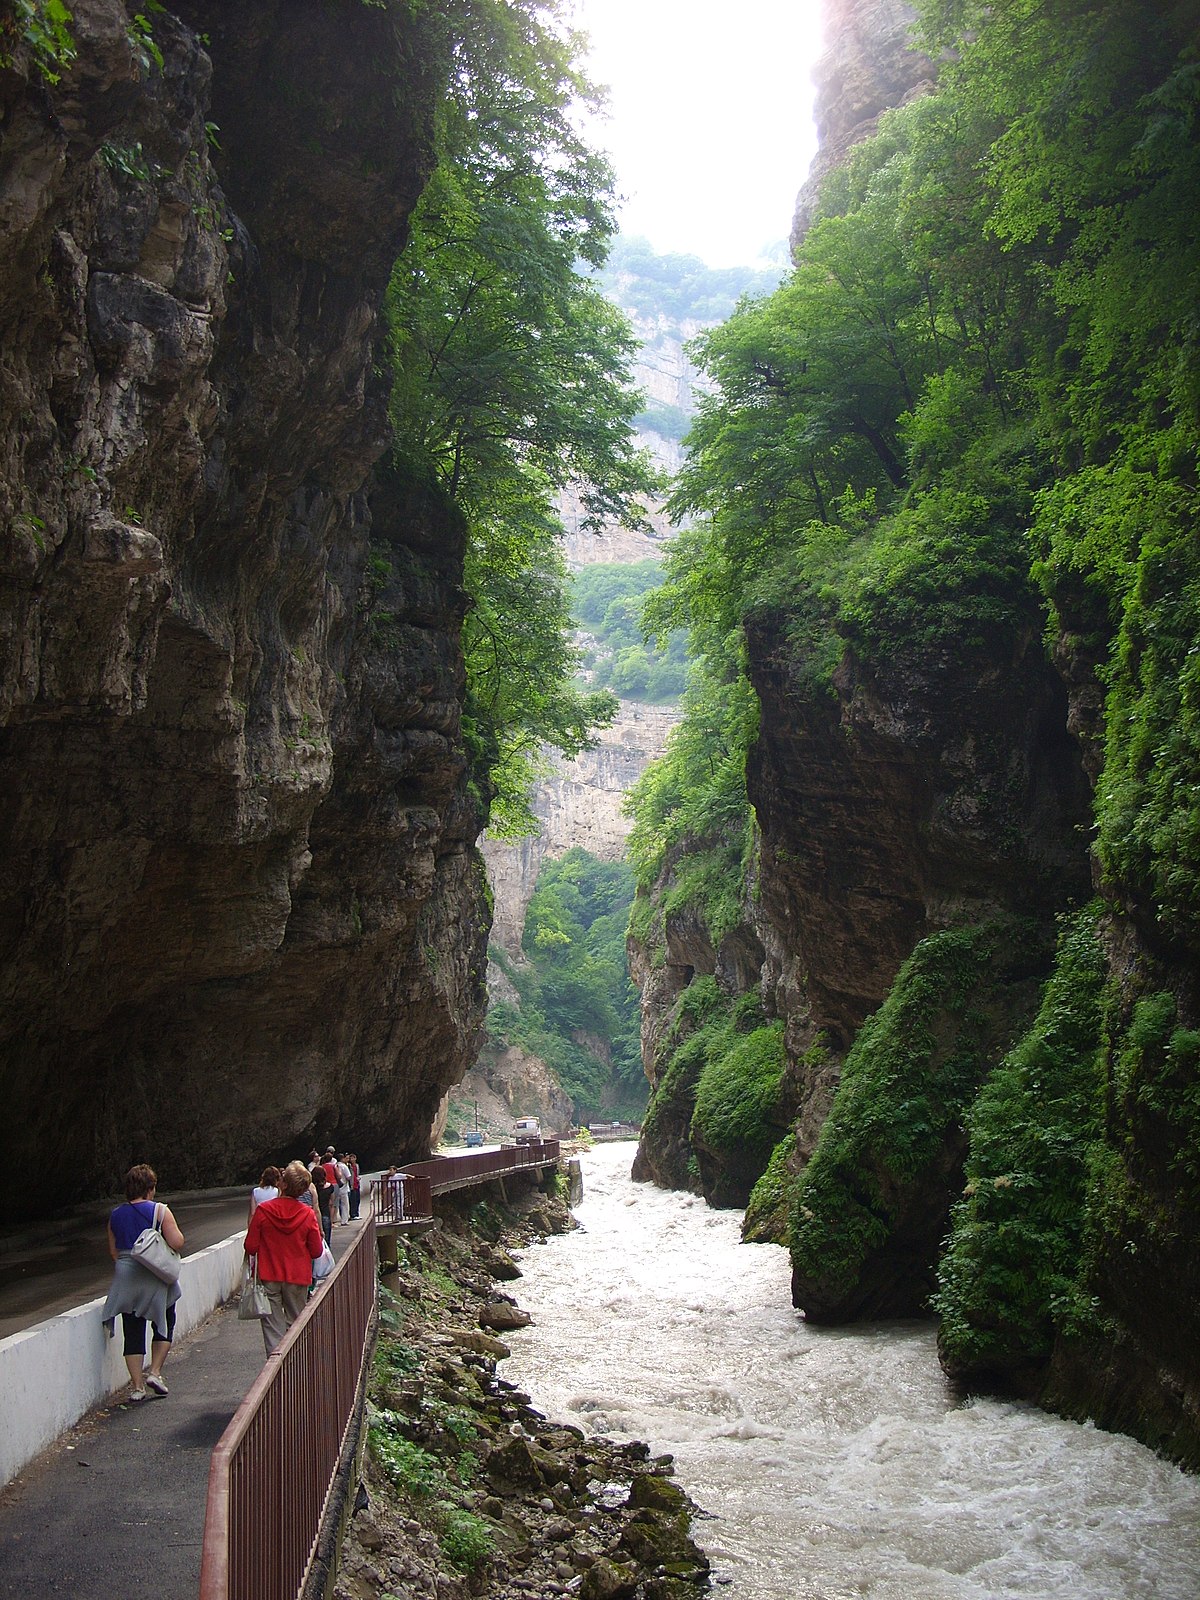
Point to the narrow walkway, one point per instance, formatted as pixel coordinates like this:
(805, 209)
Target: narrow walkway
(115, 1510)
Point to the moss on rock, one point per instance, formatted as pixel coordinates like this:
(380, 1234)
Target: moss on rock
(870, 1208)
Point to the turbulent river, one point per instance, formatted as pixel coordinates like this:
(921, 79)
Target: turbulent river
(834, 1464)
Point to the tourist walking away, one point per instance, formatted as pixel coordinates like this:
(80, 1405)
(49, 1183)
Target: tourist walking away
(343, 1190)
(330, 1168)
(138, 1295)
(284, 1237)
(267, 1188)
(309, 1197)
(325, 1192)
(355, 1186)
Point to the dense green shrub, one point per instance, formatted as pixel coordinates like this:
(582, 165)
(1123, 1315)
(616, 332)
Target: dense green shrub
(700, 1010)
(1011, 1268)
(909, 1076)
(766, 1219)
(1149, 794)
(737, 1098)
(1156, 1091)
(943, 571)
(466, 1539)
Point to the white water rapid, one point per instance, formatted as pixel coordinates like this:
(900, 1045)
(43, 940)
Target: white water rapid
(836, 1464)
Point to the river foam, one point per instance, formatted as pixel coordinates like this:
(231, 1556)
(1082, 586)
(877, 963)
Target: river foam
(836, 1464)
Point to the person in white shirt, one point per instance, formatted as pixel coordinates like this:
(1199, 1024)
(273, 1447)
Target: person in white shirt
(343, 1190)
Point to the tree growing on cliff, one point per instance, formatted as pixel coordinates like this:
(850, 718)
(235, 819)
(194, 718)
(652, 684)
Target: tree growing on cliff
(512, 372)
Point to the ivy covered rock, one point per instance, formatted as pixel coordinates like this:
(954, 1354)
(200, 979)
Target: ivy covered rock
(872, 1205)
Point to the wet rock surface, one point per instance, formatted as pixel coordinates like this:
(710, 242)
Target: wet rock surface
(468, 1489)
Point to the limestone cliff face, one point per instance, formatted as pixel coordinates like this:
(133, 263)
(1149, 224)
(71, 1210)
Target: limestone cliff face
(505, 1083)
(869, 65)
(939, 790)
(579, 805)
(239, 903)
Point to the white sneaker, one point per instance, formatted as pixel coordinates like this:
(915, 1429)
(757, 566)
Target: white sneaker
(157, 1383)
(136, 1394)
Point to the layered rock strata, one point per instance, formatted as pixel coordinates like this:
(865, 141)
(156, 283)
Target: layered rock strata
(869, 65)
(580, 803)
(239, 904)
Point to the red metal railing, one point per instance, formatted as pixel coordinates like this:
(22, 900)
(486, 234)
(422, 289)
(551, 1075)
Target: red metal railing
(275, 1464)
(473, 1166)
(401, 1198)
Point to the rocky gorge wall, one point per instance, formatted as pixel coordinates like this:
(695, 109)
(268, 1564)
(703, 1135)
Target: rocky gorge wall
(934, 815)
(240, 907)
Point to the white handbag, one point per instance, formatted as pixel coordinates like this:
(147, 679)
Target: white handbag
(253, 1302)
(151, 1250)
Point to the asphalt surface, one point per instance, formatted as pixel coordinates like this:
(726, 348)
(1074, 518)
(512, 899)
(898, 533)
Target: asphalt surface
(48, 1267)
(114, 1510)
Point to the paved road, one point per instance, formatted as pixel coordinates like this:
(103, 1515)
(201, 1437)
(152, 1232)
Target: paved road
(48, 1267)
(115, 1509)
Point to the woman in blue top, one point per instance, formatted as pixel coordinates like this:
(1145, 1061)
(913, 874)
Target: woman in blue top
(136, 1293)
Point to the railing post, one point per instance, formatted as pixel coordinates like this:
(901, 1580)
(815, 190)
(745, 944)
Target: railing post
(274, 1466)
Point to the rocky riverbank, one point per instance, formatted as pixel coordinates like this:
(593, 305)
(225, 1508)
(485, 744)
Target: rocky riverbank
(468, 1489)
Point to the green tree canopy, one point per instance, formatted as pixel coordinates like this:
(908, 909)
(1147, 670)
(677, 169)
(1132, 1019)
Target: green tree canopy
(511, 372)
(579, 1011)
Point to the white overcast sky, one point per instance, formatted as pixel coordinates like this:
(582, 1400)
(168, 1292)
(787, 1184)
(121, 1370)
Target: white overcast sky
(710, 124)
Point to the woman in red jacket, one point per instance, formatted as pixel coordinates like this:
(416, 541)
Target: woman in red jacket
(286, 1238)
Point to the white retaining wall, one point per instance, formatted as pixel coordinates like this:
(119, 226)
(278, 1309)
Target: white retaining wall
(55, 1372)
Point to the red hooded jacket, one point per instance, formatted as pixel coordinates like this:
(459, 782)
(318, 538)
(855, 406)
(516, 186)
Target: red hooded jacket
(286, 1237)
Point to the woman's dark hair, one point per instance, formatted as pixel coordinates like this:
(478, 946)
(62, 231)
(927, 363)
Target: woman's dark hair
(139, 1181)
(271, 1178)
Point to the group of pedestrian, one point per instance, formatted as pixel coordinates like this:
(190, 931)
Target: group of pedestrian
(284, 1240)
(336, 1180)
(289, 1228)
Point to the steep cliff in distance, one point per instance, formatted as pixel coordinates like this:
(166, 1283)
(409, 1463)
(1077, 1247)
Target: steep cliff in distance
(240, 907)
(868, 65)
(580, 803)
(668, 300)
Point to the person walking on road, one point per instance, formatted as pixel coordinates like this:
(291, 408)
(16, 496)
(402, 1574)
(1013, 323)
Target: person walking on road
(343, 1190)
(136, 1294)
(286, 1238)
(325, 1193)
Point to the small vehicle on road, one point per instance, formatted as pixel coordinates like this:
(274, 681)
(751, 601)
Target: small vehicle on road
(472, 1138)
(528, 1130)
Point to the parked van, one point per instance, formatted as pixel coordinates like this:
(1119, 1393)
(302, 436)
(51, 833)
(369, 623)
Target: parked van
(528, 1130)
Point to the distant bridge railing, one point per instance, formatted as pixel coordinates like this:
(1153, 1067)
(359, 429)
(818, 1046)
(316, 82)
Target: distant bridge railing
(477, 1166)
(274, 1467)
